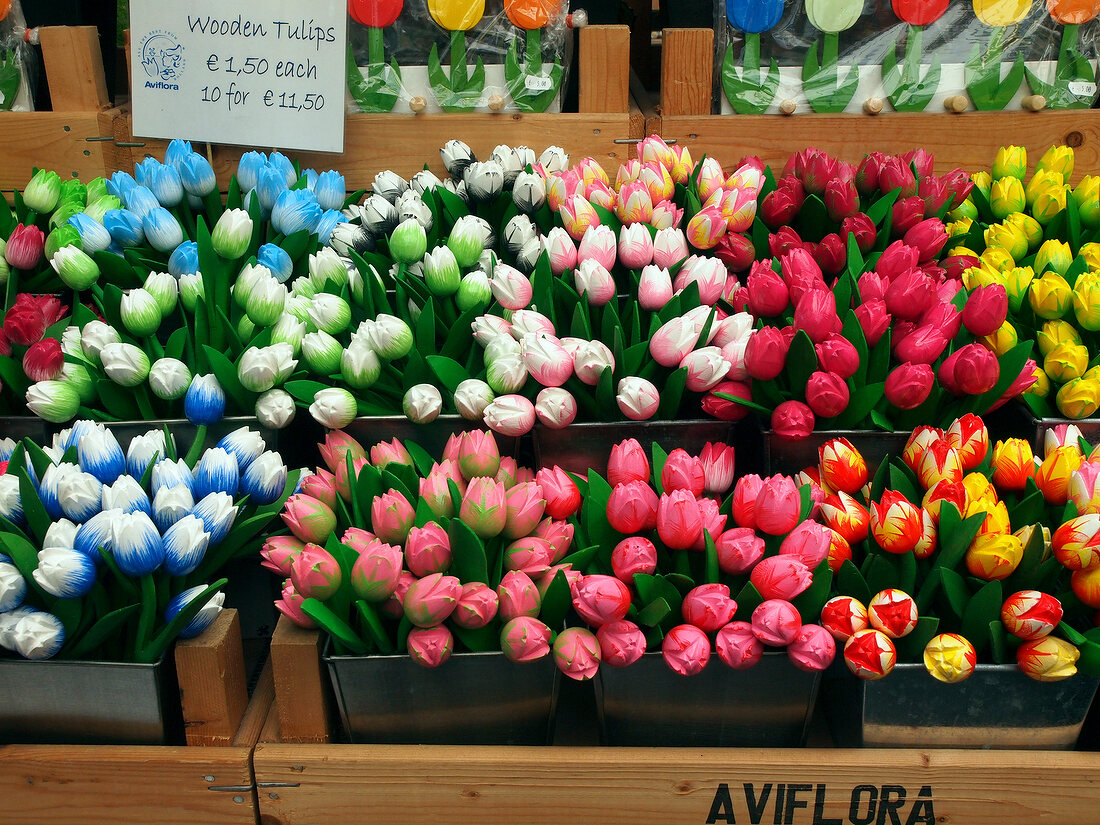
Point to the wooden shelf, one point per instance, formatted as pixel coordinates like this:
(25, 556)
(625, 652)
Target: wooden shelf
(672, 786)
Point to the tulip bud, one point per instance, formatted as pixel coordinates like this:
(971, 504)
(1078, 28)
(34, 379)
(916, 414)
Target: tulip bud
(1048, 659)
(525, 639)
(232, 234)
(637, 398)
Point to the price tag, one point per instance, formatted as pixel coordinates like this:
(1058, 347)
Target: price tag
(538, 83)
(248, 72)
(1082, 88)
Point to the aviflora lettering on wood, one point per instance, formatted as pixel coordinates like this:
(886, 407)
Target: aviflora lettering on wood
(781, 803)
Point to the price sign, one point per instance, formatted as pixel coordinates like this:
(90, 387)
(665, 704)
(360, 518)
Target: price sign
(250, 72)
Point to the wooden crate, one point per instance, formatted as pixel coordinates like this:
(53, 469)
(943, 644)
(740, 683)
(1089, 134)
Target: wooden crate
(417, 785)
(108, 784)
(404, 143)
(968, 140)
(76, 139)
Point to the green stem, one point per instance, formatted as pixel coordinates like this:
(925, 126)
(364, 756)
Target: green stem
(751, 56)
(192, 457)
(911, 71)
(458, 60)
(148, 612)
(376, 46)
(830, 49)
(996, 46)
(534, 52)
(1065, 49)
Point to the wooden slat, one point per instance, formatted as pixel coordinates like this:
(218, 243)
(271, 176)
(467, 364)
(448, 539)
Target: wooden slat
(52, 140)
(968, 140)
(404, 143)
(612, 786)
(687, 61)
(260, 708)
(301, 688)
(63, 785)
(213, 689)
(74, 68)
(604, 70)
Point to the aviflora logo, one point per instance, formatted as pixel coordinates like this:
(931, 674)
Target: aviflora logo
(797, 804)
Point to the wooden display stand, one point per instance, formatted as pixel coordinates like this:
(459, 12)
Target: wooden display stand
(968, 140)
(76, 139)
(418, 785)
(82, 784)
(404, 143)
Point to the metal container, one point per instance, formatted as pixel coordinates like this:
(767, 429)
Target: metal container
(578, 447)
(997, 707)
(369, 430)
(648, 704)
(789, 457)
(472, 699)
(55, 702)
(18, 427)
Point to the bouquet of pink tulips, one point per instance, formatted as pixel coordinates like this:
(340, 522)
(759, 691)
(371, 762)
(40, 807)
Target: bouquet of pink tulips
(391, 551)
(684, 565)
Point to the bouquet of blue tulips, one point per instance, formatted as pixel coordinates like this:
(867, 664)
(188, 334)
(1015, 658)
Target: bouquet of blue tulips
(156, 255)
(112, 555)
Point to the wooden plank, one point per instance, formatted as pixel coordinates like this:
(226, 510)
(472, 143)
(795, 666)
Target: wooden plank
(49, 140)
(687, 61)
(404, 143)
(213, 688)
(259, 709)
(604, 69)
(969, 140)
(301, 689)
(68, 785)
(74, 68)
(613, 786)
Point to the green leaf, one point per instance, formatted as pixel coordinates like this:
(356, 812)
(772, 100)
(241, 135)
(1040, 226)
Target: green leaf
(955, 589)
(850, 582)
(654, 613)
(226, 374)
(801, 361)
(671, 394)
(713, 571)
(984, 608)
(334, 625)
(468, 560)
(480, 640)
(810, 601)
(556, 602)
(37, 519)
(911, 646)
(373, 624)
(748, 599)
(107, 627)
(658, 466)
(448, 371)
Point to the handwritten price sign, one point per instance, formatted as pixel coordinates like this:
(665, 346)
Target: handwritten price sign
(248, 72)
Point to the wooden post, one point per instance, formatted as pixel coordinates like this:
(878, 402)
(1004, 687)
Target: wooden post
(74, 68)
(213, 690)
(604, 69)
(686, 66)
(301, 692)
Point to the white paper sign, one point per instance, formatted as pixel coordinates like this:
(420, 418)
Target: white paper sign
(260, 73)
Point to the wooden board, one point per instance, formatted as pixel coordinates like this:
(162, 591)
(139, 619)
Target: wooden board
(74, 68)
(687, 60)
(56, 140)
(613, 786)
(68, 785)
(604, 69)
(213, 689)
(302, 695)
(404, 143)
(969, 140)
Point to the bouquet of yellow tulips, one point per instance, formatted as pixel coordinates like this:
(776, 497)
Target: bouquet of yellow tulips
(1039, 237)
